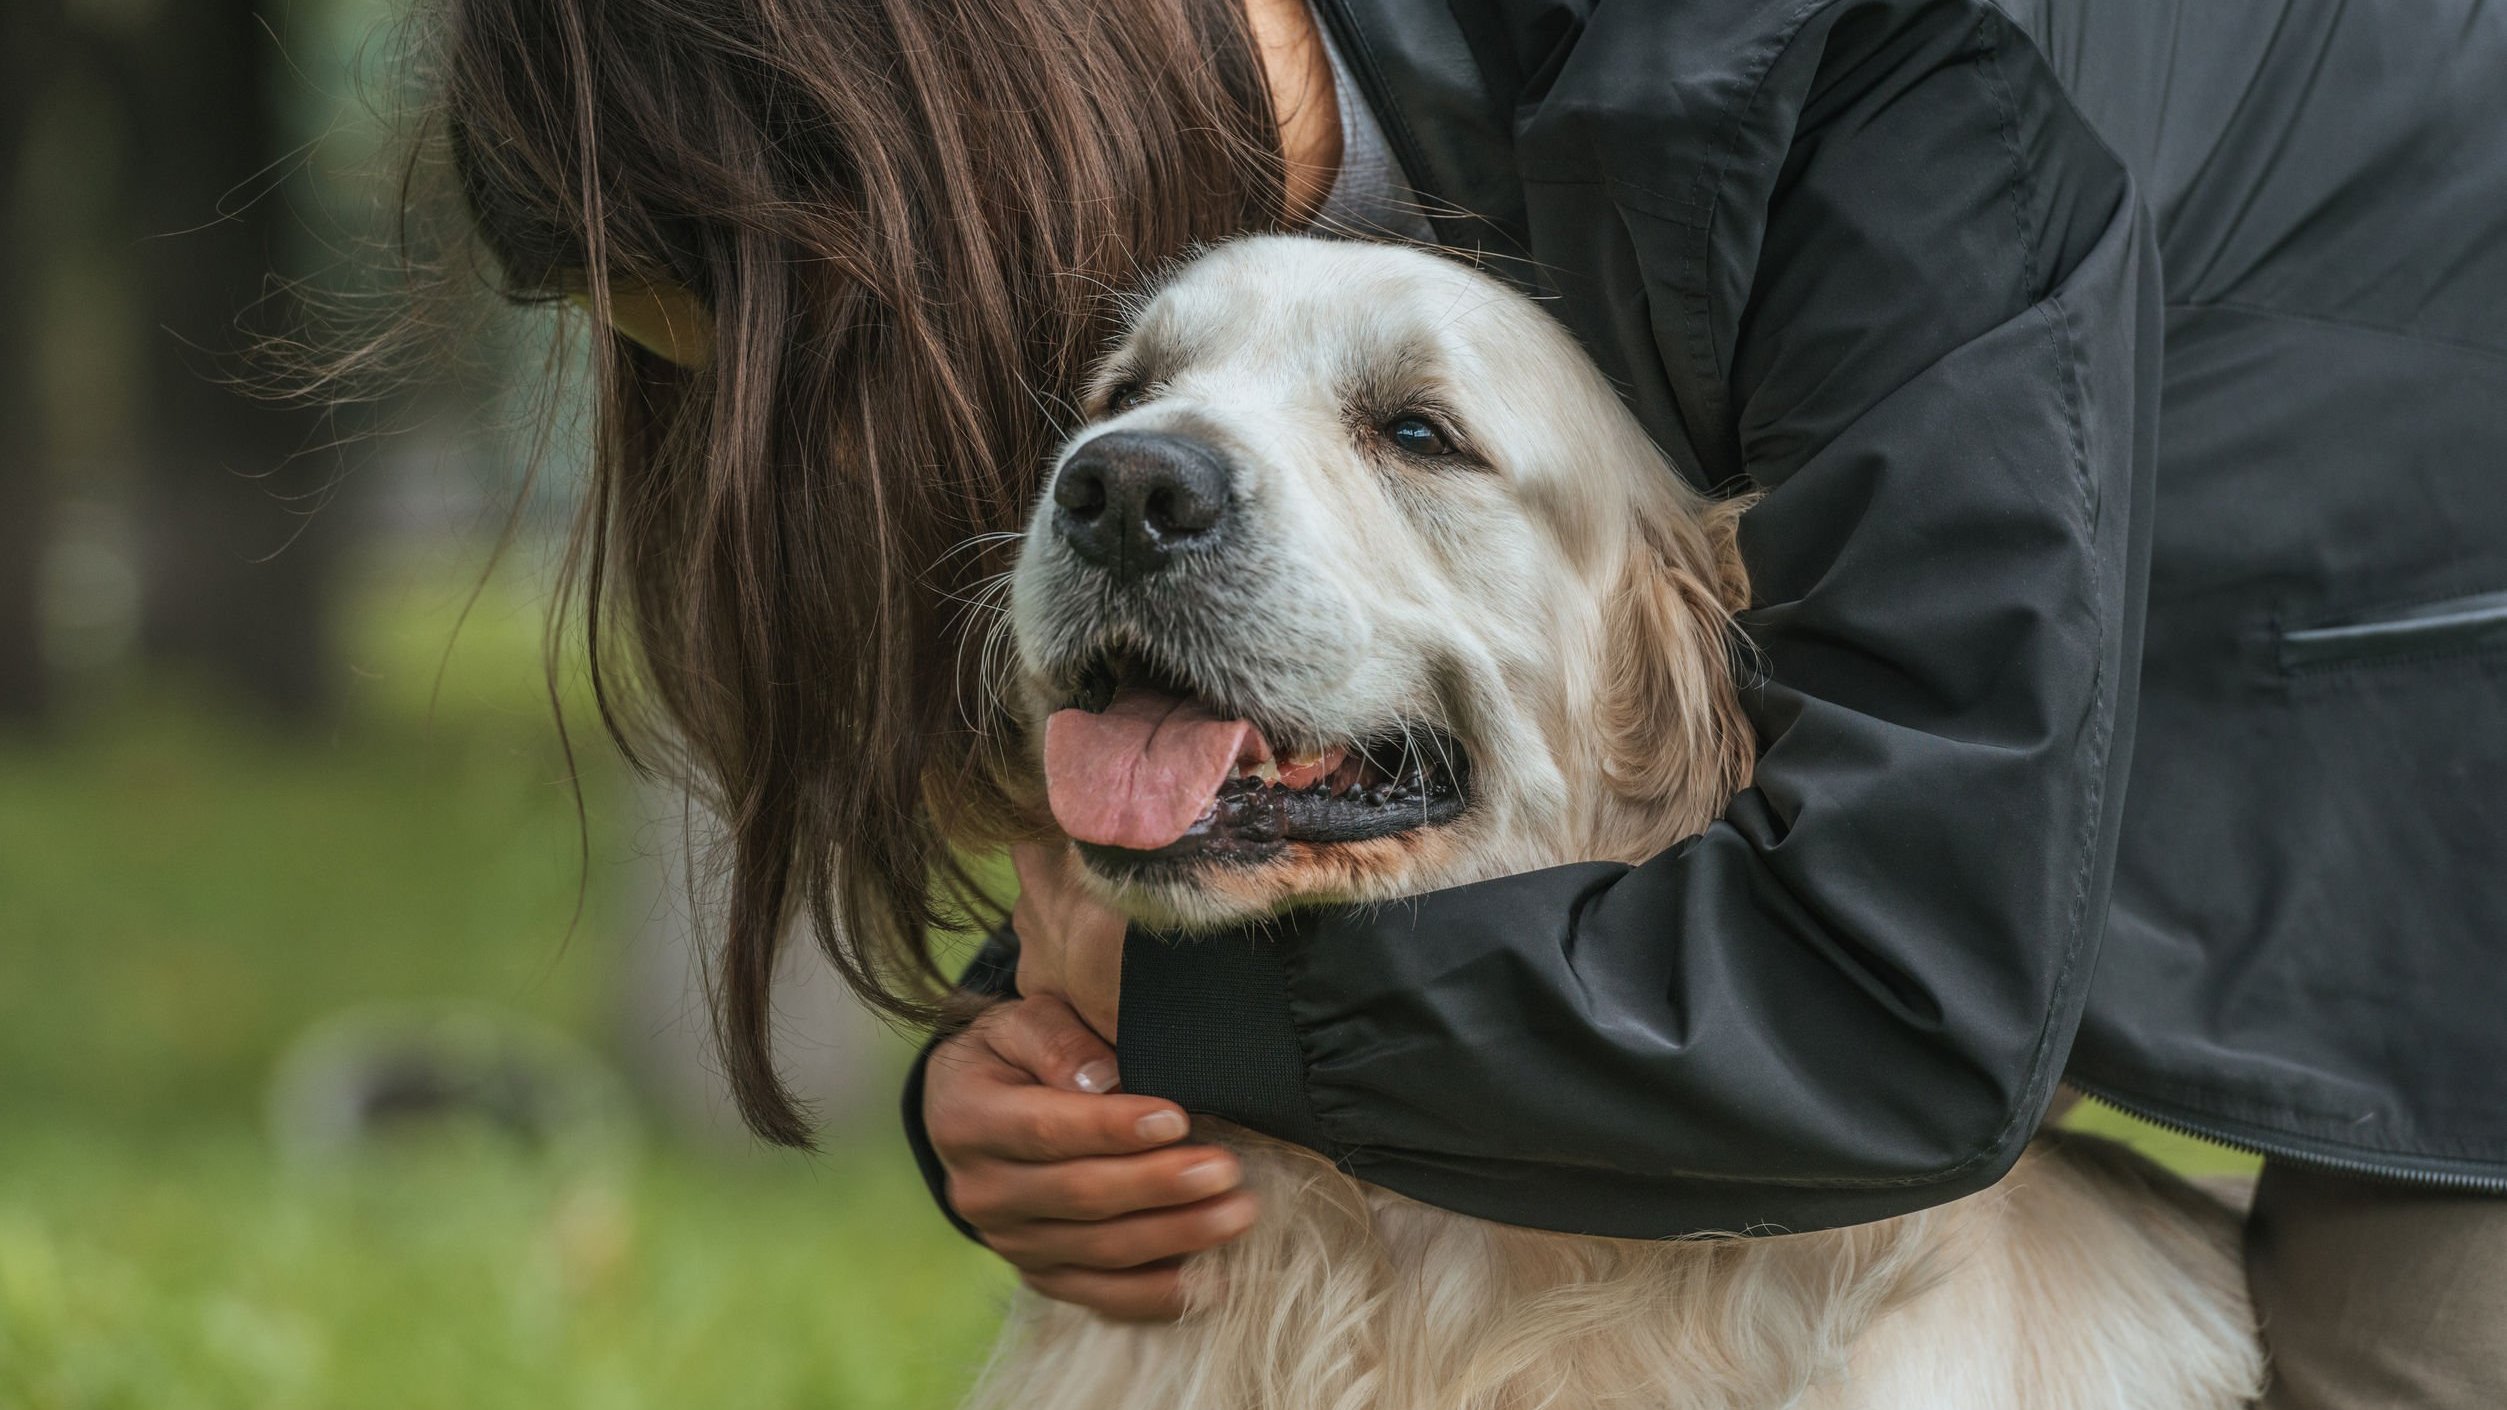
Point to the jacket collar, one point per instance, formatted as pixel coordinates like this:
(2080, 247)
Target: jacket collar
(1444, 77)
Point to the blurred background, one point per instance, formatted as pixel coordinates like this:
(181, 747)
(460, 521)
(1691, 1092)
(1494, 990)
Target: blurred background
(342, 1062)
(351, 1043)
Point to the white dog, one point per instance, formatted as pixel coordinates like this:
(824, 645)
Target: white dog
(1362, 583)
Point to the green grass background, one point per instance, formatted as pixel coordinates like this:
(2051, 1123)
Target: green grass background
(181, 897)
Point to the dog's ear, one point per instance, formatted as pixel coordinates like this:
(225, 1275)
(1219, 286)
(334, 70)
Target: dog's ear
(1675, 741)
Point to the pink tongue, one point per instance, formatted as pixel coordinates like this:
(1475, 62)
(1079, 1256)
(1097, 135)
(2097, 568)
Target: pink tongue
(1142, 773)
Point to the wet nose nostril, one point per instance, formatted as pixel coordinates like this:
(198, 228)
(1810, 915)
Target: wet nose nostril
(1081, 490)
(1186, 508)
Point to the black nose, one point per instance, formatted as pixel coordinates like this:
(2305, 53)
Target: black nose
(1130, 501)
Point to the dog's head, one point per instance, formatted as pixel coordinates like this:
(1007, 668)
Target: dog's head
(1361, 582)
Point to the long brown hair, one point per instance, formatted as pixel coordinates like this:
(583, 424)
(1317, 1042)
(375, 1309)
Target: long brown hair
(904, 219)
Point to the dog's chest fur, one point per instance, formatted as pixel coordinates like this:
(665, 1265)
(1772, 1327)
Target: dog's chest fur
(2084, 1280)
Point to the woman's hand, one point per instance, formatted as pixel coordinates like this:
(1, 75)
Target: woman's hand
(1070, 944)
(1082, 1188)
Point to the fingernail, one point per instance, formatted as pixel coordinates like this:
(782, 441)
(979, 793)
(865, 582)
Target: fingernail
(1208, 1177)
(1161, 1126)
(1095, 1076)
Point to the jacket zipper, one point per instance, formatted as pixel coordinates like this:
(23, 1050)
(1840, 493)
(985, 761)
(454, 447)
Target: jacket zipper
(2395, 1171)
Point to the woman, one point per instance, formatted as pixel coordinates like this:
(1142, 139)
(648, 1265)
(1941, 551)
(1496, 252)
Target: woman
(1922, 273)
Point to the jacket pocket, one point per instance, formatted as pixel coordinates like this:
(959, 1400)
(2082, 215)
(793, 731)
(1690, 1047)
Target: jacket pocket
(2447, 628)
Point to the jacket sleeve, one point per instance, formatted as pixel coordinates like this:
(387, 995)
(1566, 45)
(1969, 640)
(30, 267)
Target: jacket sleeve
(1918, 307)
(993, 973)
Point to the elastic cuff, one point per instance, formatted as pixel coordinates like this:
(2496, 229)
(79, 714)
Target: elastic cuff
(1206, 1024)
(993, 972)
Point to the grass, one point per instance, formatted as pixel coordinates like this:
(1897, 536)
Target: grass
(197, 1272)
(182, 897)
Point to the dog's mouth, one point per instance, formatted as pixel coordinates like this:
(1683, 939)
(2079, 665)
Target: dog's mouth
(1148, 776)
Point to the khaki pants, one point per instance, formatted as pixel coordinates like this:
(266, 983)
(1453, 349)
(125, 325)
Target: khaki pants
(2377, 1296)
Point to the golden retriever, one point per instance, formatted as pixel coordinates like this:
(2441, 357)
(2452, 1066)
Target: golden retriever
(1362, 582)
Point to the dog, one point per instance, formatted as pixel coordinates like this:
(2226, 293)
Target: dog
(1361, 582)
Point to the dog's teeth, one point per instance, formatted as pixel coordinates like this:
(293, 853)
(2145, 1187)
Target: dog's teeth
(1348, 772)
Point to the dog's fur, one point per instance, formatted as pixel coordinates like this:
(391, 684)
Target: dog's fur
(1556, 600)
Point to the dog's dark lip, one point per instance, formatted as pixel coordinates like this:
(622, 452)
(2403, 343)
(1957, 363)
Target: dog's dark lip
(1111, 668)
(1108, 669)
(1098, 680)
(1250, 823)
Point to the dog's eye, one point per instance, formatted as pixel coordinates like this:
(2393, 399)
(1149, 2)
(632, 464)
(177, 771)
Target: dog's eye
(1125, 396)
(1417, 435)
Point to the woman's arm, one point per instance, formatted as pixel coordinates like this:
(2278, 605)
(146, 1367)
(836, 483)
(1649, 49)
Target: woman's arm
(1898, 282)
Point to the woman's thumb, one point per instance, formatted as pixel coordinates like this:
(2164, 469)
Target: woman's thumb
(1044, 1037)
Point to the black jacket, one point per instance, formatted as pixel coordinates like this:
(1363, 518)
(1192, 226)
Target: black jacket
(1926, 273)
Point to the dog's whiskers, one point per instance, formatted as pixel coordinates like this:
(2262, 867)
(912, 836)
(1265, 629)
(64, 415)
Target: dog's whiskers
(983, 597)
(976, 543)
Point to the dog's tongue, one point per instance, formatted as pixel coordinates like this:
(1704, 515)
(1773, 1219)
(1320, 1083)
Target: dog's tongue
(1143, 772)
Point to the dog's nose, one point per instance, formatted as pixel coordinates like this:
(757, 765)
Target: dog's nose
(1130, 501)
